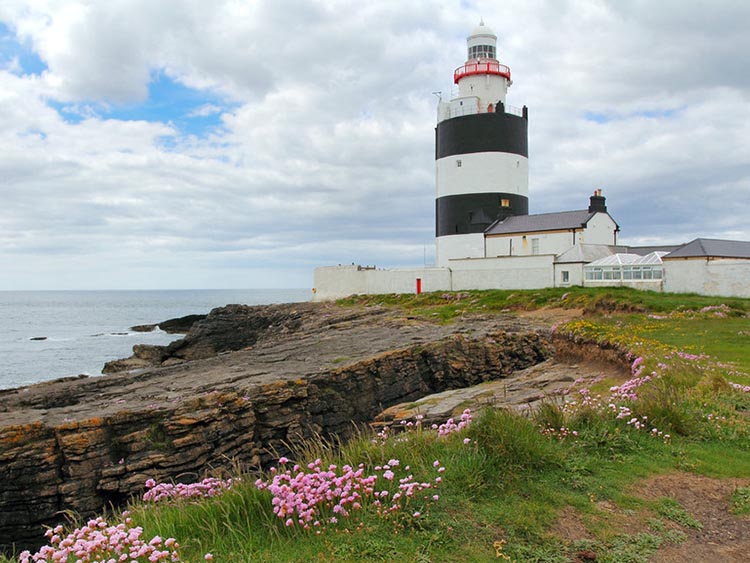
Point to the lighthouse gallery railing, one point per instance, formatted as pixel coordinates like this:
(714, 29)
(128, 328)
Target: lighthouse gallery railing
(481, 67)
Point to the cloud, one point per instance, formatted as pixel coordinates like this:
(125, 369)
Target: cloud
(205, 110)
(226, 144)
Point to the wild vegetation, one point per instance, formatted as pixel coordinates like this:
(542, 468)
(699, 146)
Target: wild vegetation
(493, 485)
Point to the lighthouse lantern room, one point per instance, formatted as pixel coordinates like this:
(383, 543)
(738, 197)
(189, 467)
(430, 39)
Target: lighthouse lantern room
(481, 152)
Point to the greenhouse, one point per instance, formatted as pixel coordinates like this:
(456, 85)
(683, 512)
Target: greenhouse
(626, 267)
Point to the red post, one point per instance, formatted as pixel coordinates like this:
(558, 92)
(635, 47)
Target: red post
(419, 286)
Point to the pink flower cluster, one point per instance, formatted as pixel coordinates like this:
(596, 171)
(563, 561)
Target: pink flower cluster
(100, 542)
(626, 391)
(560, 434)
(209, 487)
(690, 357)
(637, 366)
(315, 497)
(638, 424)
(450, 426)
(740, 388)
(718, 310)
(622, 411)
(301, 497)
(407, 489)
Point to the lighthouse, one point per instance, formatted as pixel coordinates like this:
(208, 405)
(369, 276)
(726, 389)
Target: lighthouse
(481, 153)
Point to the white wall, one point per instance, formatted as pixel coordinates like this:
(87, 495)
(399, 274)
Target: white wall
(530, 272)
(718, 276)
(483, 172)
(490, 88)
(575, 274)
(600, 229)
(515, 272)
(458, 246)
(551, 242)
(334, 282)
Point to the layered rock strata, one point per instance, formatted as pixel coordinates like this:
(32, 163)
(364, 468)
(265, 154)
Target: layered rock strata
(234, 392)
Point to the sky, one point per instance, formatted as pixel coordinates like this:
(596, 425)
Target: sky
(241, 143)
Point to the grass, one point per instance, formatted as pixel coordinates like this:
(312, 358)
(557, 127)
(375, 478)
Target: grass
(740, 501)
(672, 510)
(507, 476)
(727, 339)
(448, 305)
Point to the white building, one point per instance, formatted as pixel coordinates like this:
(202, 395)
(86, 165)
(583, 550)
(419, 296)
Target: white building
(485, 238)
(709, 267)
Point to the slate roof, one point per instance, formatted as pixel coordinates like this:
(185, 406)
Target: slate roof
(643, 250)
(717, 248)
(562, 220)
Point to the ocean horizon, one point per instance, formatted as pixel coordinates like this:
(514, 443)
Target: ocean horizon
(49, 334)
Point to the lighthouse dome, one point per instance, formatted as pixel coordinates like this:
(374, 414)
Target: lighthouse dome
(482, 30)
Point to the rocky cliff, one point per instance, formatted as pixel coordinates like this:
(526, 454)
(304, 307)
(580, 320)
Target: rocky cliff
(244, 381)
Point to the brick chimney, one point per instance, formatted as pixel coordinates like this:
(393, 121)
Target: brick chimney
(597, 202)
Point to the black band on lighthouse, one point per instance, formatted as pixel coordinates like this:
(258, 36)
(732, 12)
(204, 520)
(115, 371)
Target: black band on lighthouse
(482, 132)
(473, 213)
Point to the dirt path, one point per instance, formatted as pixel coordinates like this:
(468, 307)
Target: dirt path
(724, 537)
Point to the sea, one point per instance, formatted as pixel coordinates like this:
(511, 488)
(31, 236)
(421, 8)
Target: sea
(46, 335)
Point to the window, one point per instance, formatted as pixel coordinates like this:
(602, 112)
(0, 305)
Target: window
(535, 246)
(504, 203)
(628, 273)
(565, 276)
(459, 163)
(482, 52)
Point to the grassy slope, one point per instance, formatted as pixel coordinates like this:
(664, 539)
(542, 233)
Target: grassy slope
(503, 492)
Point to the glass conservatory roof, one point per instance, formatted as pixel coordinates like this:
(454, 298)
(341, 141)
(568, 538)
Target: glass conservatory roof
(629, 259)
